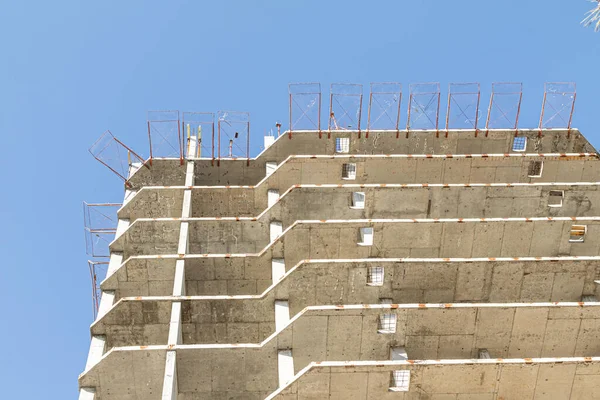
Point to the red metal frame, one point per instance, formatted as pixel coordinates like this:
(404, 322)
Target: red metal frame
(559, 98)
(120, 162)
(505, 97)
(165, 125)
(230, 124)
(422, 97)
(382, 97)
(303, 97)
(96, 292)
(344, 99)
(100, 225)
(195, 124)
(465, 97)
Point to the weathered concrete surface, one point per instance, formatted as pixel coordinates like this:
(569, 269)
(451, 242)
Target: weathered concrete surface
(423, 142)
(232, 257)
(314, 282)
(381, 201)
(344, 281)
(392, 238)
(346, 333)
(403, 168)
(127, 374)
(350, 334)
(548, 379)
(142, 277)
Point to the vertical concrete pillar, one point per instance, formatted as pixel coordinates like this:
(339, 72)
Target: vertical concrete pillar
(97, 347)
(270, 166)
(115, 261)
(285, 365)
(282, 314)
(170, 390)
(87, 393)
(275, 230)
(272, 197)
(106, 302)
(277, 269)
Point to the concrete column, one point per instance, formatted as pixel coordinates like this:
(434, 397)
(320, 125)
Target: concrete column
(170, 390)
(270, 166)
(122, 226)
(97, 347)
(87, 393)
(282, 314)
(115, 261)
(277, 269)
(275, 230)
(285, 365)
(107, 300)
(272, 197)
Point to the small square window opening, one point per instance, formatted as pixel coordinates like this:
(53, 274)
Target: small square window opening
(358, 200)
(484, 354)
(578, 233)
(349, 171)
(375, 276)
(342, 145)
(555, 198)
(365, 237)
(400, 381)
(387, 323)
(519, 143)
(535, 169)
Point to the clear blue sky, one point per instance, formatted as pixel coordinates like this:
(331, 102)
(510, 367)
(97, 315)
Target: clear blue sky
(70, 70)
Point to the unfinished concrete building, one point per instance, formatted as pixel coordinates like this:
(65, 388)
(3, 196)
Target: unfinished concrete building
(348, 262)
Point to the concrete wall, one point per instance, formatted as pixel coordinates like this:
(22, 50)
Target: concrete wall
(436, 333)
(473, 380)
(327, 202)
(398, 169)
(341, 333)
(393, 238)
(458, 142)
(331, 240)
(129, 374)
(314, 282)
(142, 277)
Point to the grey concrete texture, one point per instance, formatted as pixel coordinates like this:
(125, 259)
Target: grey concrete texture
(251, 320)
(142, 277)
(327, 169)
(125, 375)
(228, 346)
(424, 142)
(450, 332)
(334, 202)
(345, 281)
(475, 380)
(392, 238)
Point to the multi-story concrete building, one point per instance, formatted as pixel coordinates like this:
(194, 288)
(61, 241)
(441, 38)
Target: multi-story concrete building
(347, 266)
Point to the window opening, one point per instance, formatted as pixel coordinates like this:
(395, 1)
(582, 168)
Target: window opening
(375, 276)
(365, 237)
(577, 233)
(535, 169)
(358, 200)
(519, 143)
(342, 145)
(555, 198)
(348, 171)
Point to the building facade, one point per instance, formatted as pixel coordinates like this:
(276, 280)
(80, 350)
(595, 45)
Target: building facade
(348, 266)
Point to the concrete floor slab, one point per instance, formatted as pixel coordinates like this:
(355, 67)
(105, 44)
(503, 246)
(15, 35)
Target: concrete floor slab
(525, 379)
